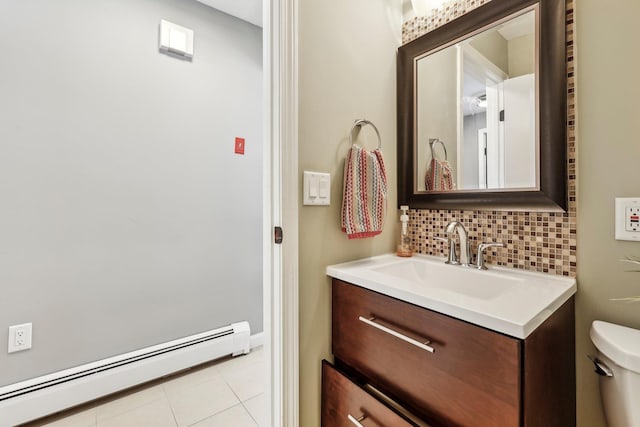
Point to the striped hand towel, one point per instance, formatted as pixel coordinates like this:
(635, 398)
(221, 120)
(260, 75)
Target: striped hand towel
(364, 199)
(439, 177)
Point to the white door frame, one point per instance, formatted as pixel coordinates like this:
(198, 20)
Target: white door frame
(482, 158)
(280, 200)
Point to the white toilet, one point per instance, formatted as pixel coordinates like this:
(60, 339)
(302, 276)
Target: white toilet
(618, 363)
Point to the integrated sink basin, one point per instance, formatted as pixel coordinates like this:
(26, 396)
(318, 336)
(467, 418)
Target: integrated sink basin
(457, 280)
(513, 302)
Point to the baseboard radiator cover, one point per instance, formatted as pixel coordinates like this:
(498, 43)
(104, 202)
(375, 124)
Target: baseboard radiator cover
(48, 394)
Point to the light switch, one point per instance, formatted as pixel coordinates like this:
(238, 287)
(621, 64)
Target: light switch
(316, 188)
(324, 187)
(628, 218)
(313, 186)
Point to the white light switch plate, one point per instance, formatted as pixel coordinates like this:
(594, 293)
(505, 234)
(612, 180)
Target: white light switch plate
(628, 218)
(316, 188)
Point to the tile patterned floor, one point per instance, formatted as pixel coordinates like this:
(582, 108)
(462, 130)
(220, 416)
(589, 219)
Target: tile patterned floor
(225, 393)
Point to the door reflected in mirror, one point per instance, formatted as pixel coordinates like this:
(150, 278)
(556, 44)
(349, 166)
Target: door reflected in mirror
(475, 110)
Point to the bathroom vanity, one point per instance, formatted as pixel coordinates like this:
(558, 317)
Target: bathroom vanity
(440, 345)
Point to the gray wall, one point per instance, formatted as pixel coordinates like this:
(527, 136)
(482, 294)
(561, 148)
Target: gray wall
(126, 220)
(437, 110)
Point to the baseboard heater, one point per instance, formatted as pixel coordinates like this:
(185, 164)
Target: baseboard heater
(38, 397)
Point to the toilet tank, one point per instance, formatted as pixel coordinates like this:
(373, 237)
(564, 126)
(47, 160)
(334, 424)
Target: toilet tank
(619, 349)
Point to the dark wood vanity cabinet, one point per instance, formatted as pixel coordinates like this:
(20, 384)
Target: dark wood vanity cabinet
(344, 401)
(474, 376)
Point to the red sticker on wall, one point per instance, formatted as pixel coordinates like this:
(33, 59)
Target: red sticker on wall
(239, 145)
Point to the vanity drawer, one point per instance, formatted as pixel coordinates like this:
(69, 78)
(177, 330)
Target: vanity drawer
(471, 379)
(344, 403)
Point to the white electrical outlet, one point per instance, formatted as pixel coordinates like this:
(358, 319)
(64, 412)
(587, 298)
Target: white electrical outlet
(19, 337)
(628, 218)
(632, 218)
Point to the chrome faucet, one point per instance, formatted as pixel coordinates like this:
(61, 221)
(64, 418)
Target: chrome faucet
(480, 257)
(463, 236)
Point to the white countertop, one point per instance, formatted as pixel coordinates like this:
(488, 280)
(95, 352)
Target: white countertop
(513, 302)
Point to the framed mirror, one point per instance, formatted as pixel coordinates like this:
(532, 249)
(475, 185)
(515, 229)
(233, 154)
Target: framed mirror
(482, 111)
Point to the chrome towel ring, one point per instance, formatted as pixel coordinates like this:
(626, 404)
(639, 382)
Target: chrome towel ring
(433, 141)
(359, 124)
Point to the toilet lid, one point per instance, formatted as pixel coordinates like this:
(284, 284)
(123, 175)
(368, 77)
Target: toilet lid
(618, 343)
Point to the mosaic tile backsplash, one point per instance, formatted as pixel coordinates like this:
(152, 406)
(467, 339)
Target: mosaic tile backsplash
(536, 241)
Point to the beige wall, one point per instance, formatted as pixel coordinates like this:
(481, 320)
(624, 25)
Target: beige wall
(437, 111)
(347, 69)
(521, 56)
(493, 47)
(608, 90)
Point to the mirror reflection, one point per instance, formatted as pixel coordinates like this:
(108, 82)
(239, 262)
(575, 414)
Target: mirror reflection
(475, 111)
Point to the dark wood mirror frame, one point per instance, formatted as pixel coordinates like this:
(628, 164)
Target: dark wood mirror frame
(552, 195)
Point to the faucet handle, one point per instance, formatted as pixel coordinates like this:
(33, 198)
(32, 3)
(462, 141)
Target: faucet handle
(452, 257)
(481, 248)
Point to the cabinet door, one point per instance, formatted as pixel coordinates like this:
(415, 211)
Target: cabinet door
(345, 404)
(471, 379)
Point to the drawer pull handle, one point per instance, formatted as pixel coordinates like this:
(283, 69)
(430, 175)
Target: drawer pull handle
(356, 421)
(397, 334)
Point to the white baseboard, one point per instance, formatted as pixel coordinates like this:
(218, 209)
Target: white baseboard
(48, 400)
(256, 340)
